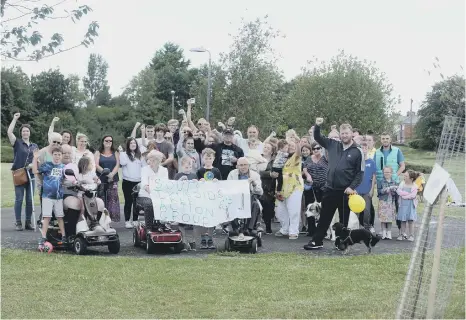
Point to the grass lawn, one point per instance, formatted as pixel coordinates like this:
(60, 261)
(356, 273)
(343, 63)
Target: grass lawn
(242, 286)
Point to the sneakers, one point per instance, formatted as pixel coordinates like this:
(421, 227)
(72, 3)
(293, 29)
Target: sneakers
(18, 226)
(268, 231)
(293, 237)
(384, 234)
(313, 246)
(411, 238)
(41, 244)
(64, 239)
(128, 225)
(28, 226)
(402, 237)
(389, 235)
(204, 242)
(210, 243)
(279, 234)
(192, 246)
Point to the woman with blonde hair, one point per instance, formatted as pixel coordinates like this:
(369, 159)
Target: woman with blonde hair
(82, 149)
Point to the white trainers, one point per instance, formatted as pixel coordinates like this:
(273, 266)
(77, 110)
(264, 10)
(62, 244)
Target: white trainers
(400, 238)
(388, 235)
(384, 234)
(128, 225)
(411, 238)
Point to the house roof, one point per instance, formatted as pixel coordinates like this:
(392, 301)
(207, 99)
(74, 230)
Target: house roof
(407, 120)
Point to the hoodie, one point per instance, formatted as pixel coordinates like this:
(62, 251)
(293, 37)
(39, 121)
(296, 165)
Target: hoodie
(345, 166)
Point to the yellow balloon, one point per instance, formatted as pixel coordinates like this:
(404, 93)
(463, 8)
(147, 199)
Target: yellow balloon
(356, 203)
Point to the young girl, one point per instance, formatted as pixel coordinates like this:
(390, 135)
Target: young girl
(407, 204)
(386, 192)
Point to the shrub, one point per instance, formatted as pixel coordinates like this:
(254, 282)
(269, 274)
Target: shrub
(418, 167)
(6, 153)
(415, 144)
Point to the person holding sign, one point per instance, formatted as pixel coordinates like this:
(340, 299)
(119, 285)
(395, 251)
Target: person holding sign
(255, 183)
(208, 173)
(153, 169)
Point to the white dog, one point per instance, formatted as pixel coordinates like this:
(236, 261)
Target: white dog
(313, 210)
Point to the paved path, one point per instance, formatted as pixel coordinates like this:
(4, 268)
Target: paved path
(28, 240)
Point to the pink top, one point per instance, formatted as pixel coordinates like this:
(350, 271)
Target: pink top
(412, 195)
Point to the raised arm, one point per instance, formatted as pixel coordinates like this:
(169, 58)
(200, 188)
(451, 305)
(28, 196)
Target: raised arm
(136, 126)
(52, 125)
(323, 141)
(11, 128)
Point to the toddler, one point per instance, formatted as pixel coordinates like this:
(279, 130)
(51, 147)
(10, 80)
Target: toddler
(386, 192)
(407, 205)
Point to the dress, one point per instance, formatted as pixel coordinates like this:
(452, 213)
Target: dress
(407, 209)
(386, 191)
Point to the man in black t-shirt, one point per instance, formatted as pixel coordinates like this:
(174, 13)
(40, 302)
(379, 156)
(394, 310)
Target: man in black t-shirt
(227, 154)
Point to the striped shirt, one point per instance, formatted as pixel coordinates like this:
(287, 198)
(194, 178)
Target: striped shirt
(318, 171)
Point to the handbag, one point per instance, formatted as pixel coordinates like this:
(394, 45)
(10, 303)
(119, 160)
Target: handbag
(20, 176)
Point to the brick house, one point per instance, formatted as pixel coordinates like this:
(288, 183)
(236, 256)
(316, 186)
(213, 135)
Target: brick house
(406, 127)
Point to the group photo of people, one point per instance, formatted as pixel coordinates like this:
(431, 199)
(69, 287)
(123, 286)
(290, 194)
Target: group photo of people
(286, 174)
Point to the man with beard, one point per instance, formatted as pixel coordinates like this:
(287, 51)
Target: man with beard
(252, 142)
(345, 172)
(226, 154)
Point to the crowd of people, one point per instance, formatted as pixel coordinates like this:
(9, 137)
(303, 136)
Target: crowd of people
(286, 174)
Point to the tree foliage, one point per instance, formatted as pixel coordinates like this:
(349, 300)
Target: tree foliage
(95, 83)
(343, 90)
(446, 98)
(21, 39)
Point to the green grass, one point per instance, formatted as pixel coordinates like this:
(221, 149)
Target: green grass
(242, 286)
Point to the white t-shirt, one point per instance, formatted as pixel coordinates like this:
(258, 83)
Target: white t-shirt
(244, 144)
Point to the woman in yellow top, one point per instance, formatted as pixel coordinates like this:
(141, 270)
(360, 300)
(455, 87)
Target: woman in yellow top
(289, 210)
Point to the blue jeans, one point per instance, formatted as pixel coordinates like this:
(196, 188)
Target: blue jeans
(19, 196)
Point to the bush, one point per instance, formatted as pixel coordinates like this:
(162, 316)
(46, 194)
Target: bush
(415, 144)
(418, 167)
(6, 152)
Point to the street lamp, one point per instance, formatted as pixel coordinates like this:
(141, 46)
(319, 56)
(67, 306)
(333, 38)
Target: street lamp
(173, 103)
(209, 80)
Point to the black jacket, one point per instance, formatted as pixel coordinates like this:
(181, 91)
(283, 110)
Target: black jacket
(345, 167)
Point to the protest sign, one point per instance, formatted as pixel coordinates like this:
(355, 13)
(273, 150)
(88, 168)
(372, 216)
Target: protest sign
(201, 203)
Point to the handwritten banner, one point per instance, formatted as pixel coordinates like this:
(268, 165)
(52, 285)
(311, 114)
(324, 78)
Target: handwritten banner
(201, 203)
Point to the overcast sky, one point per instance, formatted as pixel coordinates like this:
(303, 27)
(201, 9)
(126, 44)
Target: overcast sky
(403, 37)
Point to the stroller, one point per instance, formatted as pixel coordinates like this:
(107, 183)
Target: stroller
(245, 237)
(160, 236)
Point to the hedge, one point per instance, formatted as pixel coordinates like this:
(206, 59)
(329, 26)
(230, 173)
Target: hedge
(6, 153)
(418, 167)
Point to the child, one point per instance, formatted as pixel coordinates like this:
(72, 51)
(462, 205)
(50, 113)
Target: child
(407, 204)
(278, 164)
(53, 174)
(366, 189)
(386, 192)
(208, 173)
(186, 167)
(86, 173)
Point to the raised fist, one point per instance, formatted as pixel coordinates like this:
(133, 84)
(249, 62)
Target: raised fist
(231, 121)
(273, 134)
(16, 116)
(319, 121)
(181, 111)
(143, 127)
(138, 124)
(55, 119)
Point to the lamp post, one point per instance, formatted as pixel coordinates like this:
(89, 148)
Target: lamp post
(173, 103)
(209, 80)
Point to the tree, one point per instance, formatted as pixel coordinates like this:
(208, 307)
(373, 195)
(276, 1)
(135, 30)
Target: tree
(16, 97)
(252, 77)
(171, 73)
(344, 90)
(446, 99)
(96, 84)
(19, 38)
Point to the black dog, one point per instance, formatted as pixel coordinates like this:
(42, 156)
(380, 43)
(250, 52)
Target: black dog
(346, 238)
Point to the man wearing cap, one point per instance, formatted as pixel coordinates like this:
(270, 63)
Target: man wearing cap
(226, 154)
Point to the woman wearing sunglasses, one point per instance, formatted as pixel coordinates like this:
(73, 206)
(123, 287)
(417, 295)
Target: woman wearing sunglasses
(109, 158)
(315, 170)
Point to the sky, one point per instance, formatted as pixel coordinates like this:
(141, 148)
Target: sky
(402, 37)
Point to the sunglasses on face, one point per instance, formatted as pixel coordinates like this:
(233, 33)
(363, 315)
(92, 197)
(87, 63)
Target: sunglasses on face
(57, 142)
(108, 141)
(316, 148)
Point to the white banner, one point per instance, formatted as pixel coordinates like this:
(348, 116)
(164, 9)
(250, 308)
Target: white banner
(201, 203)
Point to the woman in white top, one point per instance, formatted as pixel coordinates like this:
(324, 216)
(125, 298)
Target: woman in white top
(131, 164)
(67, 136)
(152, 170)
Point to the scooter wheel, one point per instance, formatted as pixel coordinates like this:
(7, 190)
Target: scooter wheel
(79, 246)
(150, 247)
(253, 246)
(136, 240)
(114, 247)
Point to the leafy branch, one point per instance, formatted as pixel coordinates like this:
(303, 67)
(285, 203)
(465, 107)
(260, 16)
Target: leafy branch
(19, 39)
